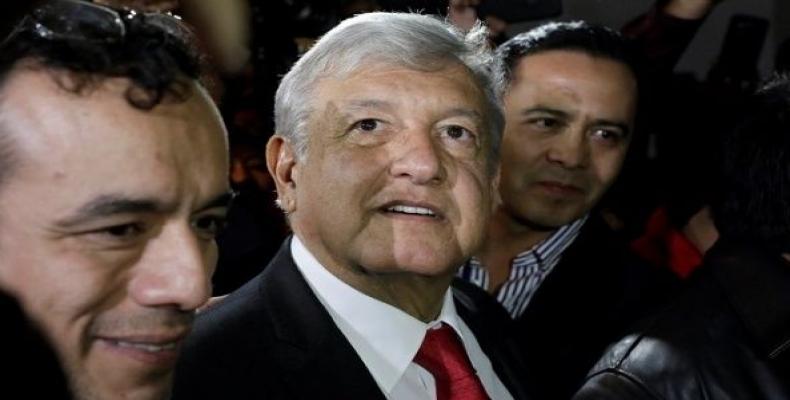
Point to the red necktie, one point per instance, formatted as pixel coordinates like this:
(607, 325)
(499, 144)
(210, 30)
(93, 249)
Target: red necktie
(443, 355)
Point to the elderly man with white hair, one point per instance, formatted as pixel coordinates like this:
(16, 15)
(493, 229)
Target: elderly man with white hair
(385, 161)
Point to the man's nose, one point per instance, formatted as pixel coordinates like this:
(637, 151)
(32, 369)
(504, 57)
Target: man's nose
(570, 150)
(175, 270)
(417, 156)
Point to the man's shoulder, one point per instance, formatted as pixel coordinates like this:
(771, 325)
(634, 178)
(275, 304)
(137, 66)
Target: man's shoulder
(254, 309)
(652, 363)
(236, 347)
(476, 304)
(597, 238)
(678, 353)
(646, 360)
(225, 342)
(239, 323)
(605, 259)
(234, 313)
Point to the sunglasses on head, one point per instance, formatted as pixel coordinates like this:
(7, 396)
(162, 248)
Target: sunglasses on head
(77, 20)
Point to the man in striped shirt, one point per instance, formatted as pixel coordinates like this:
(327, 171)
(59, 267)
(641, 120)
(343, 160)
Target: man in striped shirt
(550, 260)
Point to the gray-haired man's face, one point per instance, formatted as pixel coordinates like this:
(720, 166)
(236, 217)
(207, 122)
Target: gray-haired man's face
(396, 178)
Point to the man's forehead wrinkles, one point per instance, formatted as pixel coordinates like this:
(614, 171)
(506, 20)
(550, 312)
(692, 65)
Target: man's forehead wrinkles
(366, 103)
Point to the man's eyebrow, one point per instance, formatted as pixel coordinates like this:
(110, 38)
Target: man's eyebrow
(222, 200)
(465, 112)
(546, 110)
(108, 205)
(366, 104)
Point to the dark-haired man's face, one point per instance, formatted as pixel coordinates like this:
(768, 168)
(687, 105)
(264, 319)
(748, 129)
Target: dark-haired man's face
(108, 224)
(569, 119)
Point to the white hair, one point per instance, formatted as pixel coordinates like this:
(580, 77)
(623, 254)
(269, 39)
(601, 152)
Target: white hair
(409, 40)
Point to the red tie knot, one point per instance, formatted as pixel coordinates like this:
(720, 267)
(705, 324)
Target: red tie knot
(444, 356)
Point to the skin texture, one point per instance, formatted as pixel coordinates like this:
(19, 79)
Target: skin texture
(108, 224)
(388, 136)
(569, 118)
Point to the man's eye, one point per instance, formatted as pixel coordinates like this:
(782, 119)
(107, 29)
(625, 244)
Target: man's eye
(458, 132)
(367, 125)
(609, 135)
(116, 236)
(209, 227)
(124, 231)
(545, 123)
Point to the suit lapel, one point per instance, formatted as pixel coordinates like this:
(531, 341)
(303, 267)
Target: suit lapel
(492, 336)
(315, 359)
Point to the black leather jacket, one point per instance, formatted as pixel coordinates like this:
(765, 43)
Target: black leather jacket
(726, 338)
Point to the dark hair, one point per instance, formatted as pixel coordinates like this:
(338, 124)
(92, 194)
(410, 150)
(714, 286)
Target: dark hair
(754, 187)
(595, 40)
(157, 63)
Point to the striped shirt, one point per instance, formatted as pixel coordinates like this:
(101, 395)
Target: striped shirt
(527, 270)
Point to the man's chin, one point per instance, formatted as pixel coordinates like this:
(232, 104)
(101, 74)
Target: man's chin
(542, 223)
(411, 267)
(546, 219)
(83, 390)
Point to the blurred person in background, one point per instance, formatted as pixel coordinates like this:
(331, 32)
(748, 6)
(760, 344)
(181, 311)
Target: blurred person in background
(726, 337)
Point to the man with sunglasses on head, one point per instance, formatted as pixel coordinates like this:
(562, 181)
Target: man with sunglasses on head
(113, 185)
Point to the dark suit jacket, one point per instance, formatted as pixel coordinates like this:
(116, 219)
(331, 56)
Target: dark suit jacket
(272, 339)
(588, 300)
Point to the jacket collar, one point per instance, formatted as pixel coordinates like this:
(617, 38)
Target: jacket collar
(310, 345)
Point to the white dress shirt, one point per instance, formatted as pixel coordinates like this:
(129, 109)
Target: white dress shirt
(386, 338)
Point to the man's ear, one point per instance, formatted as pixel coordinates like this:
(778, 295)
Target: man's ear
(283, 167)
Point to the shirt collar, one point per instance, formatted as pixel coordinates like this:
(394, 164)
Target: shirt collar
(553, 246)
(385, 337)
(548, 251)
